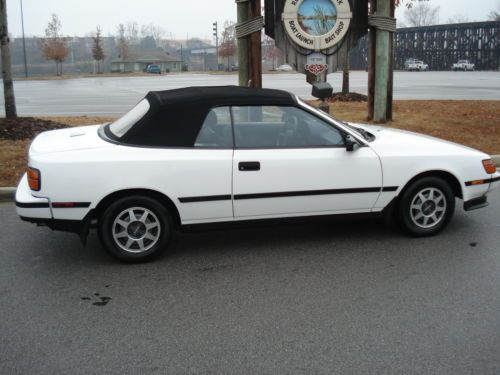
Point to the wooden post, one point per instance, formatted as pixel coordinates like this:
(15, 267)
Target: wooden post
(243, 76)
(371, 64)
(381, 65)
(255, 50)
(391, 66)
(8, 86)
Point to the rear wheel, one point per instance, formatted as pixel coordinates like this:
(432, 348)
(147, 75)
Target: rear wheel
(426, 206)
(135, 228)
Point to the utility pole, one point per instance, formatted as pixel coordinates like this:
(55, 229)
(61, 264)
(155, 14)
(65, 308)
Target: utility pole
(216, 35)
(242, 12)
(249, 32)
(24, 42)
(382, 26)
(8, 86)
(255, 55)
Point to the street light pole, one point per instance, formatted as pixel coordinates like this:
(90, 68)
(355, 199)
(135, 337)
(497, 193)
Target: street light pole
(216, 34)
(24, 42)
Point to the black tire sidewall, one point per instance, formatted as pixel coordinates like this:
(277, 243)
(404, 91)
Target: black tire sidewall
(403, 207)
(109, 215)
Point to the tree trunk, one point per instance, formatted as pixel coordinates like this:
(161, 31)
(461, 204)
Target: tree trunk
(8, 86)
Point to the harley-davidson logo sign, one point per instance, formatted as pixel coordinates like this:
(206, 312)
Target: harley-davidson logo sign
(316, 68)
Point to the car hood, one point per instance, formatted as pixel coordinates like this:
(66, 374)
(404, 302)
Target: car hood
(61, 140)
(391, 141)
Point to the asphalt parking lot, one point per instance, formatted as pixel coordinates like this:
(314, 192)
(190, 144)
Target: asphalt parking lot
(318, 298)
(113, 96)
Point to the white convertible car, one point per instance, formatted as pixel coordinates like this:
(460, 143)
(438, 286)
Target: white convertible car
(224, 154)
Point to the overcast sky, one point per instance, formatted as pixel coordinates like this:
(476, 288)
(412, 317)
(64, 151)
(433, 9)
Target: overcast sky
(177, 18)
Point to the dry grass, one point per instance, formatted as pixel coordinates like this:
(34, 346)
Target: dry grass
(472, 123)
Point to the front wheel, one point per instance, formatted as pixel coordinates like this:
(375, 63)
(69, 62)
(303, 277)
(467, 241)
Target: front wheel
(135, 228)
(426, 206)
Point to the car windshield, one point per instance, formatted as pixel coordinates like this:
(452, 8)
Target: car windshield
(124, 123)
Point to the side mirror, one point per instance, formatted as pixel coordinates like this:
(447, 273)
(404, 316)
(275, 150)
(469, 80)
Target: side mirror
(350, 142)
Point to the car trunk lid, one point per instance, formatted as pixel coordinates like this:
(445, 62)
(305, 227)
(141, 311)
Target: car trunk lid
(77, 138)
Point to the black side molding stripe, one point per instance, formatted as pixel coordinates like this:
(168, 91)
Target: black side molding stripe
(287, 194)
(32, 205)
(487, 181)
(207, 198)
(315, 192)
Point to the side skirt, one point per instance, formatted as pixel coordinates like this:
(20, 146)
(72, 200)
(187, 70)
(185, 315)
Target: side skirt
(279, 221)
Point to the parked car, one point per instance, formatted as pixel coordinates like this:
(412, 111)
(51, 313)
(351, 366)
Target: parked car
(463, 65)
(284, 68)
(416, 65)
(153, 68)
(205, 155)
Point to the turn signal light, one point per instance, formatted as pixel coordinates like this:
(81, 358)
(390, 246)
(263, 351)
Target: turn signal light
(34, 179)
(489, 166)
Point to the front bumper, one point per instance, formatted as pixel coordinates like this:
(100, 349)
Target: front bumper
(29, 206)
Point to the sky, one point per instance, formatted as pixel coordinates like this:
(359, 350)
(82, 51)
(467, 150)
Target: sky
(178, 18)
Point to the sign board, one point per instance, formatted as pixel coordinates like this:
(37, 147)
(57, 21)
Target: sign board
(316, 63)
(316, 24)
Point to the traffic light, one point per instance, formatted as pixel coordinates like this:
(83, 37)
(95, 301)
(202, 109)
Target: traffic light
(215, 29)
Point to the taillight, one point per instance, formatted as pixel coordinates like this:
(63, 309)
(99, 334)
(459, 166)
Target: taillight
(34, 179)
(489, 166)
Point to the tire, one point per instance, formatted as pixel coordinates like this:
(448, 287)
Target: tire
(138, 240)
(426, 206)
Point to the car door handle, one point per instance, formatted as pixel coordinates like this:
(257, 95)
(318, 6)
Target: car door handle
(245, 166)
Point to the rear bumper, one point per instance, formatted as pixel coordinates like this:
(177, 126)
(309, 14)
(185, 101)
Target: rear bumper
(29, 206)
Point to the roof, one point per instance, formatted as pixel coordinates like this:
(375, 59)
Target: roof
(222, 95)
(176, 116)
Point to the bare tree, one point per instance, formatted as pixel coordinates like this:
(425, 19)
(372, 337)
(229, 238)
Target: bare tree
(271, 52)
(458, 18)
(98, 50)
(54, 45)
(8, 86)
(152, 30)
(407, 3)
(122, 43)
(227, 46)
(495, 14)
(132, 32)
(422, 14)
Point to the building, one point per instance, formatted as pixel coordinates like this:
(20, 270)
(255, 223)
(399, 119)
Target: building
(167, 64)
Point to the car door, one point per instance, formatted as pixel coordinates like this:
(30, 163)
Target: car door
(288, 162)
(204, 173)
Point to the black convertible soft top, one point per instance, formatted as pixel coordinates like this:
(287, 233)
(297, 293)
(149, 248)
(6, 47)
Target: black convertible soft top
(176, 116)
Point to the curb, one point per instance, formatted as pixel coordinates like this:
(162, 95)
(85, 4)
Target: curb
(8, 194)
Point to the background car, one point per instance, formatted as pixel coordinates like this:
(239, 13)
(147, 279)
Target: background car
(415, 65)
(153, 69)
(284, 68)
(464, 65)
(205, 155)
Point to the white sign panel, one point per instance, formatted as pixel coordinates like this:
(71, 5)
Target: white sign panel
(316, 24)
(316, 63)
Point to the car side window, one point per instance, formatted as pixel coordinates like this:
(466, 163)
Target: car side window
(277, 126)
(216, 130)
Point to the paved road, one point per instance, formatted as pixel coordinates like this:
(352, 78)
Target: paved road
(326, 298)
(114, 96)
